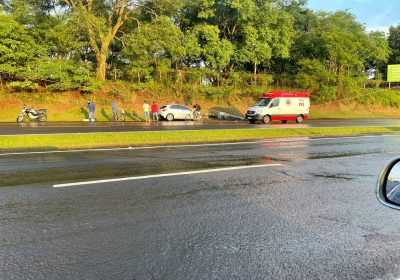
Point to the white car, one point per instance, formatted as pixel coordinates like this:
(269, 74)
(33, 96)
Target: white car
(175, 112)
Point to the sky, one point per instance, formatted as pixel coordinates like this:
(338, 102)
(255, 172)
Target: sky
(374, 14)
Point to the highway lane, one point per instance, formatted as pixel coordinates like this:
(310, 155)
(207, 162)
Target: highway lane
(82, 127)
(315, 216)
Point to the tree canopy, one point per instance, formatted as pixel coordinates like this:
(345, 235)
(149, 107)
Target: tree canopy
(161, 39)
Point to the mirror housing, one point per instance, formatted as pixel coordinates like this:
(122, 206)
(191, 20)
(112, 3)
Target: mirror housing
(382, 185)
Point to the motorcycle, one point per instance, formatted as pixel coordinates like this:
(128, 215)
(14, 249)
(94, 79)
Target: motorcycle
(32, 115)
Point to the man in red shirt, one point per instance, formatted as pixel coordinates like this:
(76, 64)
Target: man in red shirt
(154, 111)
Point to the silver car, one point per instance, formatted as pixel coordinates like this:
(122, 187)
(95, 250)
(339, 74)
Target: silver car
(175, 112)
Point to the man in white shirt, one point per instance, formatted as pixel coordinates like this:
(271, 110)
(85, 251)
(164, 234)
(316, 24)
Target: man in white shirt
(146, 110)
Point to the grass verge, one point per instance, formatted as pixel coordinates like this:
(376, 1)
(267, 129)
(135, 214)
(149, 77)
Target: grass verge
(96, 140)
(71, 106)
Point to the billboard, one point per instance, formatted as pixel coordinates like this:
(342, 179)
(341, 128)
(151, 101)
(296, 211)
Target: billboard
(393, 73)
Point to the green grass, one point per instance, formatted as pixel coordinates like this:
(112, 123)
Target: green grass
(96, 140)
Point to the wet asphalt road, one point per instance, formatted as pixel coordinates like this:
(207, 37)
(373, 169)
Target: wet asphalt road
(314, 217)
(82, 127)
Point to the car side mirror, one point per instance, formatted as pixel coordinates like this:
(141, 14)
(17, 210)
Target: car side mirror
(388, 189)
(271, 105)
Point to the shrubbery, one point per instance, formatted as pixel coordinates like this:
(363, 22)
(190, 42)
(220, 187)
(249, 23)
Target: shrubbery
(23, 86)
(66, 75)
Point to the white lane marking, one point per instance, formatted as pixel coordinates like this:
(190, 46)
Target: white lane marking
(392, 191)
(166, 175)
(145, 147)
(276, 140)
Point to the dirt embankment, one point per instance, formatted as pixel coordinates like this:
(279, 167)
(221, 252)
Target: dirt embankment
(71, 106)
(353, 110)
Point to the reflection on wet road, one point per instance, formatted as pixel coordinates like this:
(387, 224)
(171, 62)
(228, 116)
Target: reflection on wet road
(314, 217)
(65, 167)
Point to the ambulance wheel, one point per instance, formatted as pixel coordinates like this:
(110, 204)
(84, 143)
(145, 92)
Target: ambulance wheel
(266, 119)
(252, 121)
(299, 119)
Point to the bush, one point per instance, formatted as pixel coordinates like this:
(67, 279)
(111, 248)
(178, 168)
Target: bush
(219, 94)
(313, 75)
(324, 94)
(114, 92)
(67, 75)
(138, 74)
(138, 86)
(23, 86)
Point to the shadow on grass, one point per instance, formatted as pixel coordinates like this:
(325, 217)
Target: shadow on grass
(106, 115)
(85, 113)
(133, 116)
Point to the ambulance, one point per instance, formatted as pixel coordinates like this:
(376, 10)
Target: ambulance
(281, 106)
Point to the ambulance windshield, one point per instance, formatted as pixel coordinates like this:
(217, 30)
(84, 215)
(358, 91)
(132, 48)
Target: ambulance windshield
(263, 102)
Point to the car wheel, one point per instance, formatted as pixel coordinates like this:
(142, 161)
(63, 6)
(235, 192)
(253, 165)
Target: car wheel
(170, 117)
(299, 119)
(266, 119)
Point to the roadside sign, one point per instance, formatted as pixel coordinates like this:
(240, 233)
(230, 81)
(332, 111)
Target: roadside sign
(393, 73)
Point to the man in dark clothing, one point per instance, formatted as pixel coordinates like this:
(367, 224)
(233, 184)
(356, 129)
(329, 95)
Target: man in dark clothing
(92, 109)
(196, 108)
(196, 112)
(114, 110)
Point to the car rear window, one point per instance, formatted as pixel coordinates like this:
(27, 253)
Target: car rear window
(183, 108)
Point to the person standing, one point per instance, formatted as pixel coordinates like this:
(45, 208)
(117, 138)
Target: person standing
(196, 111)
(92, 109)
(114, 110)
(146, 111)
(123, 114)
(154, 111)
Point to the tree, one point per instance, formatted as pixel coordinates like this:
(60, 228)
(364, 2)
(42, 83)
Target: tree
(158, 45)
(18, 50)
(258, 30)
(264, 32)
(156, 8)
(102, 20)
(394, 44)
(345, 43)
(204, 46)
(303, 17)
(342, 46)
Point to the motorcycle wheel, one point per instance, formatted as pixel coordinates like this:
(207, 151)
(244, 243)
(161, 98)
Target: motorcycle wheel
(42, 117)
(20, 118)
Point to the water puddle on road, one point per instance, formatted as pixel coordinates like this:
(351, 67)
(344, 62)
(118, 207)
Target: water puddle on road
(82, 166)
(97, 170)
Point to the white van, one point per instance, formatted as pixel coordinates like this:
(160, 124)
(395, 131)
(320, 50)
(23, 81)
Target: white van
(280, 106)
